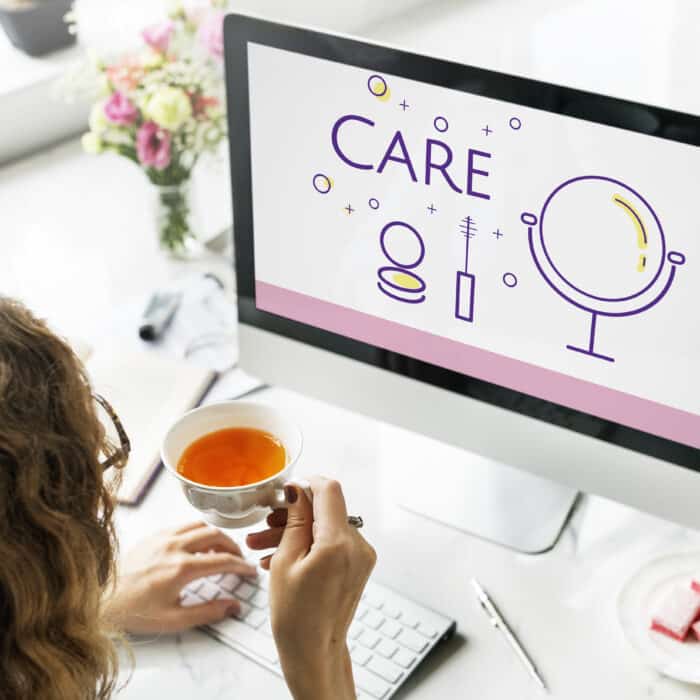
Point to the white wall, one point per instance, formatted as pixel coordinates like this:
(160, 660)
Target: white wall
(32, 117)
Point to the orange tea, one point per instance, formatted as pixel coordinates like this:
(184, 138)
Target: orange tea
(232, 457)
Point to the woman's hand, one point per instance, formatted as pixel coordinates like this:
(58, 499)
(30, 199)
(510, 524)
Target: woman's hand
(317, 576)
(147, 595)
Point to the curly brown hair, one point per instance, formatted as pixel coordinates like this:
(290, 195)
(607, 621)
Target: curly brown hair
(57, 539)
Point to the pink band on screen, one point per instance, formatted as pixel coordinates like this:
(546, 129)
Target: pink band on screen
(610, 404)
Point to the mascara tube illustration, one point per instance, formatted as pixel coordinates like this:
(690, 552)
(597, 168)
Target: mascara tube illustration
(466, 281)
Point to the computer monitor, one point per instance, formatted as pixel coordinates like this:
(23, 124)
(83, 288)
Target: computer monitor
(504, 265)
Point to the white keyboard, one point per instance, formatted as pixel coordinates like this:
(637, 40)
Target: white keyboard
(388, 638)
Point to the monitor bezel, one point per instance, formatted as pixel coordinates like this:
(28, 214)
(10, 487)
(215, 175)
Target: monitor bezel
(240, 30)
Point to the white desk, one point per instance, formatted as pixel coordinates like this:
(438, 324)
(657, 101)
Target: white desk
(74, 264)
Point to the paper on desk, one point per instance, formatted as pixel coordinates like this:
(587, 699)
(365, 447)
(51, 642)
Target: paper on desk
(149, 393)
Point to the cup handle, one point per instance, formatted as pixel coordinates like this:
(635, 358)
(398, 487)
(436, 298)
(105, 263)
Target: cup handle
(279, 500)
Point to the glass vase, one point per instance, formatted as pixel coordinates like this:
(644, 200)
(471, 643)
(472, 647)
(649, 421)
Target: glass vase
(174, 221)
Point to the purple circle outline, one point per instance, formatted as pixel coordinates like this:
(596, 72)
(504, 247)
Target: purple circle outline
(373, 199)
(510, 274)
(510, 123)
(369, 87)
(414, 232)
(675, 257)
(447, 124)
(564, 279)
(320, 191)
(387, 269)
(383, 290)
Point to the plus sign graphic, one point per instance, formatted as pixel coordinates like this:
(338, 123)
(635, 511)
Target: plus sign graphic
(486, 130)
(431, 209)
(404, 105)
(498, 234)
(349, 209)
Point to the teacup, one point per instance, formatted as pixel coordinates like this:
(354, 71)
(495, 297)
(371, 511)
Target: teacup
(233, 506)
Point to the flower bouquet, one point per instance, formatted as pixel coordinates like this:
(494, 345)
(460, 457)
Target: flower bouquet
(162, 107)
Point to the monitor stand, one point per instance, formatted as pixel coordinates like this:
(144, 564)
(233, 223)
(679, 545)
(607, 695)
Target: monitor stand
(493, 501)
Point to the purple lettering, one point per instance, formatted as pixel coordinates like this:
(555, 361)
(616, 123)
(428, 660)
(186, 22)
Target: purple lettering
(406, 159)
(471, 171)
(441, 167)
(336, 145)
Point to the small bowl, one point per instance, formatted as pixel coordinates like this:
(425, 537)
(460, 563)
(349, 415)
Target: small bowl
(233, 506)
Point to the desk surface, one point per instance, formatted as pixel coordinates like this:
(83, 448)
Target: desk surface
(74, 263)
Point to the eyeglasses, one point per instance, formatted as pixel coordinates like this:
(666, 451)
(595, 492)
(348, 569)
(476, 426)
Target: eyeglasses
(121, 454)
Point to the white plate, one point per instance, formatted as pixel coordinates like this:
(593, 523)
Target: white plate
(635, 606)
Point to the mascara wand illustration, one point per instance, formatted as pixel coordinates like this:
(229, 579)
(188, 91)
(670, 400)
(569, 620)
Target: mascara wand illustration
(466, 281)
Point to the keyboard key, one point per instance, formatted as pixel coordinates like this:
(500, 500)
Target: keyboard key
(360, 656)
(409, 619)
(255, 618)
(263, 580)
(245, 609)
(249, 638)
(245, 591)
(208, 591)
(260, 599)
(361, 611)
(267, 628)
(426, 630)
(194, 586)
(388, 671)
(225, 595)
(373, 619)
(190, 599)
(215, 578)
(386, 648)
(369, 639)
(376, 600)
(391, 611)
(355, 630)
(229, 582)
(390, 628)
(413, 641)
(404, 658)
(370, 683)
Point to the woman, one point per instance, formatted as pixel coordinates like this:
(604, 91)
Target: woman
(62, 600)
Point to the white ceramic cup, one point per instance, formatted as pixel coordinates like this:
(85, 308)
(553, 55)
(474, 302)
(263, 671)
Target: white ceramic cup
(233, 506)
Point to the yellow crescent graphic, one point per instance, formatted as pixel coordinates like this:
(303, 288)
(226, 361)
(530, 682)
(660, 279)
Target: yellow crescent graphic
(639, 227)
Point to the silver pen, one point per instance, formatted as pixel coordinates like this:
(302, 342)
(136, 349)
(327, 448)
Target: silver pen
(500, 624)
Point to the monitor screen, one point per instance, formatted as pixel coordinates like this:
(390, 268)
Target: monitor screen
(534, 257)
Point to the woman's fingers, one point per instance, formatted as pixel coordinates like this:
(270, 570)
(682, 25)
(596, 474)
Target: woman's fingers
(330, 512)
(207, 538)
(278, 518)
(190, 526)
(184, 617)
(265, 539)
(207, 564)
(265, 562)
(297, 535)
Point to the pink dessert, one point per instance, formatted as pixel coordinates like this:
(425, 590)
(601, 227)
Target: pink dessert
(677, 612)
(696, 629)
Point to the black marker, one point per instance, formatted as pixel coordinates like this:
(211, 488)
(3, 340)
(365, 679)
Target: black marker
(158, 314)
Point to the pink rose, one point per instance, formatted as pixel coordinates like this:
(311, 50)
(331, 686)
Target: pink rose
(126, 74)
(120, 110)
(211, 32)
(153, 146)
(158, 36)
(201, 103)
